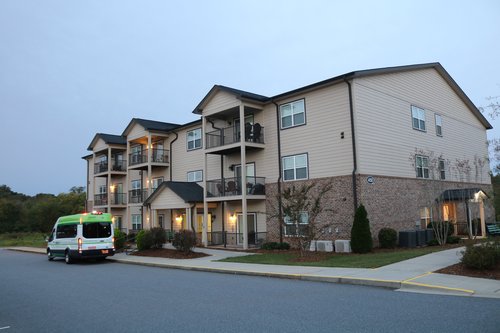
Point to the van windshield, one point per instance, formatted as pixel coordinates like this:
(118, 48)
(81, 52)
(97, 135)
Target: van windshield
(97, 230)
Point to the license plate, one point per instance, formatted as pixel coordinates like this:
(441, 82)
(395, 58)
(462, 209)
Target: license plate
(104, 251)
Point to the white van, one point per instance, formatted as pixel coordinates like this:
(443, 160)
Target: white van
(81, 236)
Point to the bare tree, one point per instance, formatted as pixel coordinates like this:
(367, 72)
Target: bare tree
(304, 211)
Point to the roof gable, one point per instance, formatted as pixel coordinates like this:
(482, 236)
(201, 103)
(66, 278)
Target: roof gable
(150, 125)
(109, 139)
(187, 191)
(241, 94)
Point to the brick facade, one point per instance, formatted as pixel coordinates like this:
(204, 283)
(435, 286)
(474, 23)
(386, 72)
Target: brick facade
(390, 202)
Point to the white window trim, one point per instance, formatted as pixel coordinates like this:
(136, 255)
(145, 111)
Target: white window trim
(287, 222)
(440, 125)
(194, 174)
(136, 218)
(294, 167)
(292, 103)
(423, 168)
(194, 140)
(420, 116)
(442, 171)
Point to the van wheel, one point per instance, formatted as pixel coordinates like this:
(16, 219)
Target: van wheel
(67, 258)
(49, 255)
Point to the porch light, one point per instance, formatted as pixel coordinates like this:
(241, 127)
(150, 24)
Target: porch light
(112, 188)
(178, 219)
(232, 218)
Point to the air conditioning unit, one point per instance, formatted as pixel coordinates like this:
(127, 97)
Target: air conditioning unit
(321, 245)
(343, 246)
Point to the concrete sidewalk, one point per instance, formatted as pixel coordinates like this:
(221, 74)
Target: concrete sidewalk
(414, 275)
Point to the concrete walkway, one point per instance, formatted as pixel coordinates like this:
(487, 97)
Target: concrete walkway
(414, 275)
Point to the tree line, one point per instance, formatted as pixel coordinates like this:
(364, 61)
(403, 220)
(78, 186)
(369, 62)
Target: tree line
(23, 213)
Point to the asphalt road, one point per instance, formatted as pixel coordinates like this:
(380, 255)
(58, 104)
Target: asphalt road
(41, 296)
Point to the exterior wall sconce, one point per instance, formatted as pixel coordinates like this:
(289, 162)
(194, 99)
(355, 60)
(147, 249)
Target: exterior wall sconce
(178, 219)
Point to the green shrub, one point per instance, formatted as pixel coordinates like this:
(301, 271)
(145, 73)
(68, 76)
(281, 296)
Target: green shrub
(159, 237)
(184, 240)
(433, 242)
(144, 240)
(275, 246)
(453, 240)
(361, 236)
(120, 238)
(387, 238)
(481, 257)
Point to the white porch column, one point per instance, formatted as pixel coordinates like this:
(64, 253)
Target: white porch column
(243, 178)
(481, 216)
(187, 223)
(108, 185)
(204, 232)
(149, 156)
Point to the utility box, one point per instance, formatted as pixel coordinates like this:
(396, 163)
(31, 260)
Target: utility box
(421, 237)
(408, 238)
(343, 246)
(429, 235)
(321, 246)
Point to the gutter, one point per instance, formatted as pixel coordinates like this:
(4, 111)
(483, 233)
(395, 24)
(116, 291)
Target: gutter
(354, 155)
(278, 135)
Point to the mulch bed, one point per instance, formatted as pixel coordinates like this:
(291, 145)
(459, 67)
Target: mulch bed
(169, 253)
(460, 269)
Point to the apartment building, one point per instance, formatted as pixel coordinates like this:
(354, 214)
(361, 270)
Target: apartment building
(395, 139)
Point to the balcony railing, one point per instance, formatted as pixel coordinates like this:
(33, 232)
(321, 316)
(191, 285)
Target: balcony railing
(119, 165)
(157, 156)
(118, 198)
(138, 157)
(100, 167)
(101, 199)
(137, 196)
(229, 135)
(232, 186)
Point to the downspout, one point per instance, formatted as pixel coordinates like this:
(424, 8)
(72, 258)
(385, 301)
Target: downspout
(278, 135)
(354, 158)
(171, 143)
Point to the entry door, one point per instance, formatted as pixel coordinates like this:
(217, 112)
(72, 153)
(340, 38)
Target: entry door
(250, 176)
(119, 195)
(158, 152)
(118, 221)
(252, 228)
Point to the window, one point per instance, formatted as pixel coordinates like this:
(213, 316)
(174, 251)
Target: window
(195, 176)
(422, 166)
(194, 139)
(296, 228)
(442, 170)
(103, 189)
(418, 118)
(439, 125)
(97, 230)
(157, 182)
(136, 222)
(66, 231)
(295, 167)
(293, 114)
(425, 217)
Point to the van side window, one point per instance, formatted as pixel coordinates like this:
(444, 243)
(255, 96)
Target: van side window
(97, 230)
(66, 231)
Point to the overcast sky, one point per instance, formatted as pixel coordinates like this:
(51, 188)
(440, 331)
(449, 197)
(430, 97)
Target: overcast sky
(70, 69)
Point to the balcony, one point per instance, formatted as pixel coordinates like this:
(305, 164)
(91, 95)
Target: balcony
(158, 157)
(118, 199)
(226, 187)
(137, 196)
(101, 199)
(100, 167)
(231, 135)
(119, 165)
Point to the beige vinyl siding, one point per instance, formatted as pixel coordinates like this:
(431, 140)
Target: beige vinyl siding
(327, 116)
(167, 199)
(137, 131)
(386, 140)
(220, 101)
(100, 146)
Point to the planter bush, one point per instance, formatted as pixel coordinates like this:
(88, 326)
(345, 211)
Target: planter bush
(159, 237)
(120, 238)
(387, 238)
(184, 240)
(144, 240)
(275, 246)
(481, 257)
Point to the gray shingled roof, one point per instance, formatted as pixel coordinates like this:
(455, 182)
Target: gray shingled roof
(110, 139)
(187, 191)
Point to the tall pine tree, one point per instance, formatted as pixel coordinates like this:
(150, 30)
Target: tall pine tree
(361, 236)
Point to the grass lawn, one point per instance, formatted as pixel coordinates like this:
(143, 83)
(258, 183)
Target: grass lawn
(35, 239)
(370, 260)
